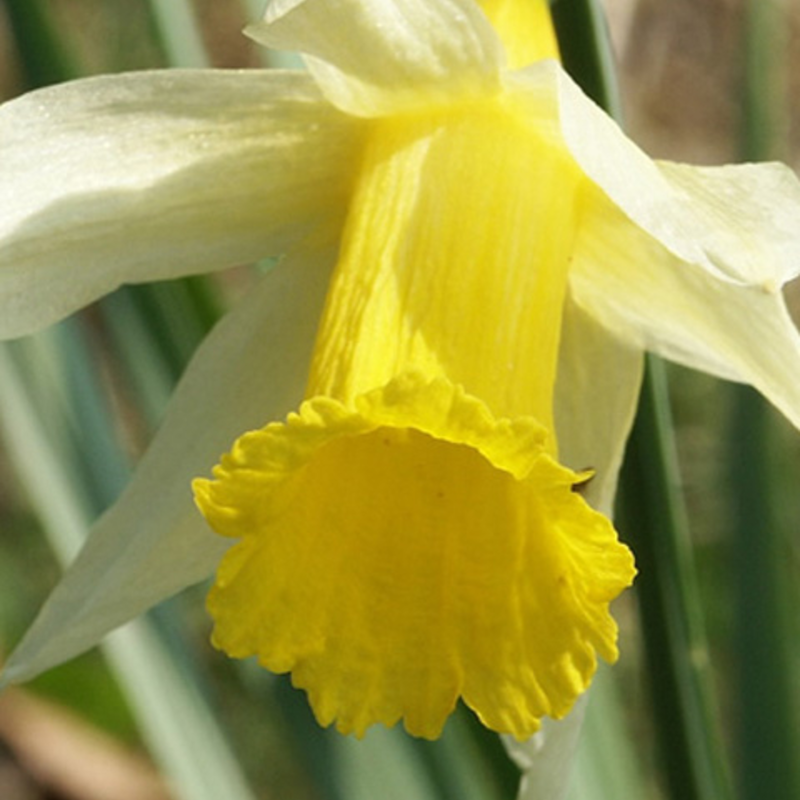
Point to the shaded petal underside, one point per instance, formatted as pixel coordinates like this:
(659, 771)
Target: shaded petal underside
(546, 758)
(153, 542)
(160, 174)
(597, 392)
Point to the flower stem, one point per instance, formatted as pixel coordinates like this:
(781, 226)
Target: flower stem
(766, 729)
(44, 59)
(586, 51)
(676, 652)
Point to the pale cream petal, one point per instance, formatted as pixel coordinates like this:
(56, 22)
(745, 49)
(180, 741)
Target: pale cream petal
(373, 57)
(668, 208)
(647, 296)
(152, 175)
(546, 759)
(738, 222)
(682, 261)
(153, 542)
(750, 215)
(597, 391)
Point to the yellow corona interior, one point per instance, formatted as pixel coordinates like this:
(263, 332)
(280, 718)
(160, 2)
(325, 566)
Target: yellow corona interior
(410, 551)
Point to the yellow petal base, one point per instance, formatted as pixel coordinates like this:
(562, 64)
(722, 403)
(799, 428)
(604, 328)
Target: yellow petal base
(525, 27)
(410, 550)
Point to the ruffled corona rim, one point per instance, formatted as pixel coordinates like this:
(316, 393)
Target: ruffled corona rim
(408, 551)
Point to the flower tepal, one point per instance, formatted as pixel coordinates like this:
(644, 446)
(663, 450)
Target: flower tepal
(408, 538)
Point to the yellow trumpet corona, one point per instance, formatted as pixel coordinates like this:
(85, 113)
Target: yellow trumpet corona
(408, 538)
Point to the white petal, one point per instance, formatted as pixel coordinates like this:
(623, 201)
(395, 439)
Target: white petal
(628, 177)
(373, 57)
(686, 262)
(640, 290)
(152, 175)
(153, 542)
(750, 217)
(546, 759)
(597, 392)
(738, 222)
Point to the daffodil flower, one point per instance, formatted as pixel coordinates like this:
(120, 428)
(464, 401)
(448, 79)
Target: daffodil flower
(429, 396)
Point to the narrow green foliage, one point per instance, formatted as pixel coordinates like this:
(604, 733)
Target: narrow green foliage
(767, 724)
(43, 55)
(653, 518)
(178, 33)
